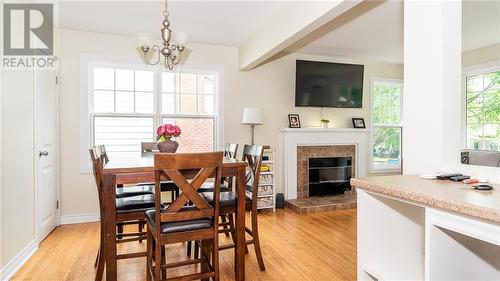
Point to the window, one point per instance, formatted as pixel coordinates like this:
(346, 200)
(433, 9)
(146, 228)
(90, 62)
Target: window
(483, 110)
(386, 125)
(129, 104)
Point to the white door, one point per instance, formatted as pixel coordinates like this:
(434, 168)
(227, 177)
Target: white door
(47, 152)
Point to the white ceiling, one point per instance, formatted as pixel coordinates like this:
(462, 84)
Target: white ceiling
(214, 22)
(480, 24)
(377, 34)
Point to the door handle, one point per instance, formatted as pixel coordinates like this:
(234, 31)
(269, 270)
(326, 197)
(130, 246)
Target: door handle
(43, 153)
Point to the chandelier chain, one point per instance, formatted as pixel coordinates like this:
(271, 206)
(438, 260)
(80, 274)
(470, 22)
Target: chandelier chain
(165, 13)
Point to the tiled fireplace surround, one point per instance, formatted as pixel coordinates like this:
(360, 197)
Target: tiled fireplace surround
(296, 145)
(306, 152)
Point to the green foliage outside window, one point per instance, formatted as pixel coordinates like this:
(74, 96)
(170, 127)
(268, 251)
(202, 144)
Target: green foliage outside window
(483, 111)
(386, 120)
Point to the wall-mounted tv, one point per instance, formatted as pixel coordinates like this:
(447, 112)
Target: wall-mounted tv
(324, 84)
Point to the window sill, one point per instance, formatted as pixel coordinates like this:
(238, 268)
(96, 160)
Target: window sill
(385, 171)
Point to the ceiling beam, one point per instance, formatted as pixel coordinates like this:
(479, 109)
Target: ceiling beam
(295, 21)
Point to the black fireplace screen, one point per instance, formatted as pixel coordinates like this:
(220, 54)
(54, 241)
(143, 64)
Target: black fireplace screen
(329, 175)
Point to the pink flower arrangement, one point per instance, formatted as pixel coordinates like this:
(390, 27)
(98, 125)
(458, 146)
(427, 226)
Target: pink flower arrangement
(166, 132)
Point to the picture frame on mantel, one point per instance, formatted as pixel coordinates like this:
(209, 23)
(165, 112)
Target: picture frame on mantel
(293, 120)
(358, 123)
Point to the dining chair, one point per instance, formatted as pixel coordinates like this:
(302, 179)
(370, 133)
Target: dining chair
(148, 149)
(180, 222)
(230, 151)
(129, 210)
(127, 191)
(253, 156)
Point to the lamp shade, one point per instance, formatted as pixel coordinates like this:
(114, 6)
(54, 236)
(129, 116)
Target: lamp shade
(251, 116)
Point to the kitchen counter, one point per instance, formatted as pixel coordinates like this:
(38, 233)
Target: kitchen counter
(442, 194)
(416, 229)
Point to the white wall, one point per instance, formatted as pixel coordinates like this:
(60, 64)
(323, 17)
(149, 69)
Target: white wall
(17, 163)
(432, 85)
(270, 87)
(482, 55)
(17, 220)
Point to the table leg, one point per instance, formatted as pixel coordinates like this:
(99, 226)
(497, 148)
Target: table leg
(109, 186)
(239, 255)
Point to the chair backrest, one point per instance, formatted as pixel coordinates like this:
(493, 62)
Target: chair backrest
(252, 154)
(99, 159)
(148, 148)
(188, 171)
(103, 155)
(230, 150)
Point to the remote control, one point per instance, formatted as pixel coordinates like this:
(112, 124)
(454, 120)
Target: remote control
(459, 178)
(447, 176)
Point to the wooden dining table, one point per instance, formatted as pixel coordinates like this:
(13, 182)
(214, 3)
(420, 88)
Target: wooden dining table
(141, 170)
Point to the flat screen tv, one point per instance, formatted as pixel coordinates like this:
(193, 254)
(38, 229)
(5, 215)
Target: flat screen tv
(324, 84)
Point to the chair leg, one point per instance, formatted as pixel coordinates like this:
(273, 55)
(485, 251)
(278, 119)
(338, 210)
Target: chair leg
(164, 261)
(189, 245)
(97, 257)
(140, 228)
(158, 262)
(119, 230)
(205, 256)
(256, 241)
(215, 256)
(225, 227)
(100, 268)
(233, 231)
(101, 258)
(196, 249)
(149, 259)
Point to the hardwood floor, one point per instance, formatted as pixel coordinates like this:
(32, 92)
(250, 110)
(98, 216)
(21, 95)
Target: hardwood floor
(318, 246)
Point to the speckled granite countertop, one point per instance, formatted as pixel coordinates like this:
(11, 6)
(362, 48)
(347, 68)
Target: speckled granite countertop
(442, 194)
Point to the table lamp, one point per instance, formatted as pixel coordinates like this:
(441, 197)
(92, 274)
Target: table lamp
(252, 117)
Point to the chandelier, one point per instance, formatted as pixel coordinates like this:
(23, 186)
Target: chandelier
(174, 45)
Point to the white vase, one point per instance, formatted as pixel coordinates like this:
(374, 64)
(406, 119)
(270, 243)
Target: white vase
(324, 125)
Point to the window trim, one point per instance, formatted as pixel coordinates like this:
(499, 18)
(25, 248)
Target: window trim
(394, 82)
(90, 61)
(472, 70)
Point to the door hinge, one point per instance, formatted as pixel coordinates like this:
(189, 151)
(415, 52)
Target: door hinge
(57, 80)
(57, 204)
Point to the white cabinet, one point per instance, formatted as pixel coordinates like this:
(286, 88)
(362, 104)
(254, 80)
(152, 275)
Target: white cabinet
(266, 191)
(402, 240)
(390, 239)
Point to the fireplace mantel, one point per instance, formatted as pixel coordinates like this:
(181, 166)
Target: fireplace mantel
(290, 139)
(318, 129)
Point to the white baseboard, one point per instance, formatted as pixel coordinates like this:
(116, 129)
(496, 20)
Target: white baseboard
(79, 218)
(18, 261)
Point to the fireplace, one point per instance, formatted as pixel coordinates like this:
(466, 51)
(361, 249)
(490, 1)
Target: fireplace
(329, 175)
(324, 169)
